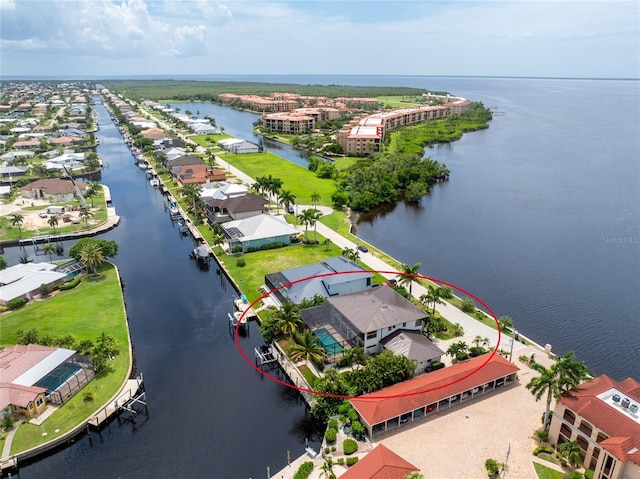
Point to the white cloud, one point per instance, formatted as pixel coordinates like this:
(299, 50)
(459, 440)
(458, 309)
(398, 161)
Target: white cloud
(554, 38)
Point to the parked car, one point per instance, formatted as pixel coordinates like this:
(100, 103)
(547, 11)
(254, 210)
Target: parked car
(43, 214)
(362, 248)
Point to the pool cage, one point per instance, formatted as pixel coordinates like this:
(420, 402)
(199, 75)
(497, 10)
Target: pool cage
(335, 332)
(67, 379)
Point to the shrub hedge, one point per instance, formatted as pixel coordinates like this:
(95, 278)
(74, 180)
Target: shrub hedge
(70, 284)
(351, 461)
(331, 435)
(349, 446)
(304, 470)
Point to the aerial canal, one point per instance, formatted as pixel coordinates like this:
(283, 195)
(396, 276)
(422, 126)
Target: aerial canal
(210, 414)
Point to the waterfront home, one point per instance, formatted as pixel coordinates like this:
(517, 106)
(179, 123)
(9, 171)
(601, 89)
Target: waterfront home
(414, 346)
(252, 233)
(12, 171)
(222, 190)
(237, 146)
(323, 279)
(364, 318)
(381, 462)
(603, 417)
(33, 375)
(422, 397)
(198, 174)
(61, 191)
(182, 161)
(24, 280)
(203, 128)
(235, 208)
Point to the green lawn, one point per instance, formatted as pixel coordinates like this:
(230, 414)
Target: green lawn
(544, 472)
(96, 305)
(203, 140)
(299, 180)
(399, 101)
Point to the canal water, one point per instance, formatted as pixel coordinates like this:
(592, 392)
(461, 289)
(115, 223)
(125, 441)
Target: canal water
(210, 413)
(541, 216)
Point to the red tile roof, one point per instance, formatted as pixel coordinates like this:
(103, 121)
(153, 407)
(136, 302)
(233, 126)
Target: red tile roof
(18, 359)
(381, 463)
(623, 431)
(18, 395)
(430, 388)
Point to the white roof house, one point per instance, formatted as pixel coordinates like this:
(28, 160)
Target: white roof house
(257, 231)
(222, 190)
(24, 280)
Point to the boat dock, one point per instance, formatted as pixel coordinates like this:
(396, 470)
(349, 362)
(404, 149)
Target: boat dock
(132, 393)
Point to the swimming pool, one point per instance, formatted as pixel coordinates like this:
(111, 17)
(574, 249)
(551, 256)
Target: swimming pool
(58, 376)
(328, 342)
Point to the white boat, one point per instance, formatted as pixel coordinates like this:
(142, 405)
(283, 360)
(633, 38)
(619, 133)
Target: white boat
(155, 182)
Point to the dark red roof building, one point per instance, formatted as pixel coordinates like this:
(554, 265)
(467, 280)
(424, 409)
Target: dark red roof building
(381, 463)
(409, 401)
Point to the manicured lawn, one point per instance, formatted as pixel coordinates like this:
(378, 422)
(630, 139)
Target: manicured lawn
(399, 101)
(203, 140)
(311, 378)
(94, 306)
(299, 180)
(544, 472)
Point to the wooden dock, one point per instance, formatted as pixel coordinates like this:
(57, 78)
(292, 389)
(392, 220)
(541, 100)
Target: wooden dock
(128, 395)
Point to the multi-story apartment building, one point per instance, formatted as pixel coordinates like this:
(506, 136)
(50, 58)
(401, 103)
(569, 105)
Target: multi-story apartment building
(293, 122)
(602, 417)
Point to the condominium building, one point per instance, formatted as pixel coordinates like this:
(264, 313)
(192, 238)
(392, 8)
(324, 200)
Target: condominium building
(602, 417)
(292, 122)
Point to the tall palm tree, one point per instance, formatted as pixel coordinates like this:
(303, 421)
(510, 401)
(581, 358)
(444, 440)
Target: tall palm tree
(287, 199)
(306, 348)
(93, 190)
(53, 222)
(506, 323)
(275, 184)
(432, 297)
(408, 275)
(314, 222)
(556, 380)
(92, 256)
(85, 215)
(326, 470)
(306, 218)
(49, 248)
(315, 197)
(17, 220)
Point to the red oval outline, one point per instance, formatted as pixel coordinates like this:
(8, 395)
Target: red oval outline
(396, 273)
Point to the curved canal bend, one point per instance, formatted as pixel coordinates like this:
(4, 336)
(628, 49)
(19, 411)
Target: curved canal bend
(211, 415)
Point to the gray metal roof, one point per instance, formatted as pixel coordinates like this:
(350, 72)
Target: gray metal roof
(412, 344)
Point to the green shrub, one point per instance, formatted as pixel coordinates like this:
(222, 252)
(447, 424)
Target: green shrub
(538, 450)
(541, 435)
(70, 284)
(333, 448)
(435, 365)
(327, 450)
(588, 474)
(3, 308)
(272, 246)
(17, 303)
(237, 248)
(573, 475)
(349, 446)
(304, 470)
(333, 424)
(240, 263)
(351, 461)
(468, 305)
(341, 461)
(331, 435)
(357, 428)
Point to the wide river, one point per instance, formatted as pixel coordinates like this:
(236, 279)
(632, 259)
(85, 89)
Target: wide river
(540, 220)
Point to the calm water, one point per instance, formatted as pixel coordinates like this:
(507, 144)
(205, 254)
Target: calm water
(211, 415)
(541, 217)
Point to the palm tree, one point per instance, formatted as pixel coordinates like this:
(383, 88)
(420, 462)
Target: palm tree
(307, 217)
(287, 199)
(570, 450)
(288, 320)
(351, 254)
(326, 470)
(49, 249)
(275, 184)
(17, 220)
(315, 197)
(93, 190)
(92, 256)
(556, 380)
(408, 275)
(314, 222)
(432, 297)
(306, 348)
(414, 475)
(458, 350)
(85, 214)
(506, 323)
(53, 222)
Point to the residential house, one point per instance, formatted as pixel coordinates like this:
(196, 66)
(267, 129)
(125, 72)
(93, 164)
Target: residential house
(414, 346)
(222, 190)
(244, 147)
(331, 277)
(24, 280)
(61, 190)
(365, 318)
(380, 463)
(235, 208)
(198, 174)
(32, 375)
(183, 160)
(252, 233)
(203, 129)
(26, 144)
(12, 171)
(426, 395)
(603, 417)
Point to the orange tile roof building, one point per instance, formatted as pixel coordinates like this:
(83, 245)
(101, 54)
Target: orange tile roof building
(381, 463)
(602, 417)
(424, 396)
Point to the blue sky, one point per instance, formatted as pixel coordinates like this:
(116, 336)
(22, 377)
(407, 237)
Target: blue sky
(93, 38)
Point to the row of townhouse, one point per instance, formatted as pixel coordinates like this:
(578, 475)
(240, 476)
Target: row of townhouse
(286, 102)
